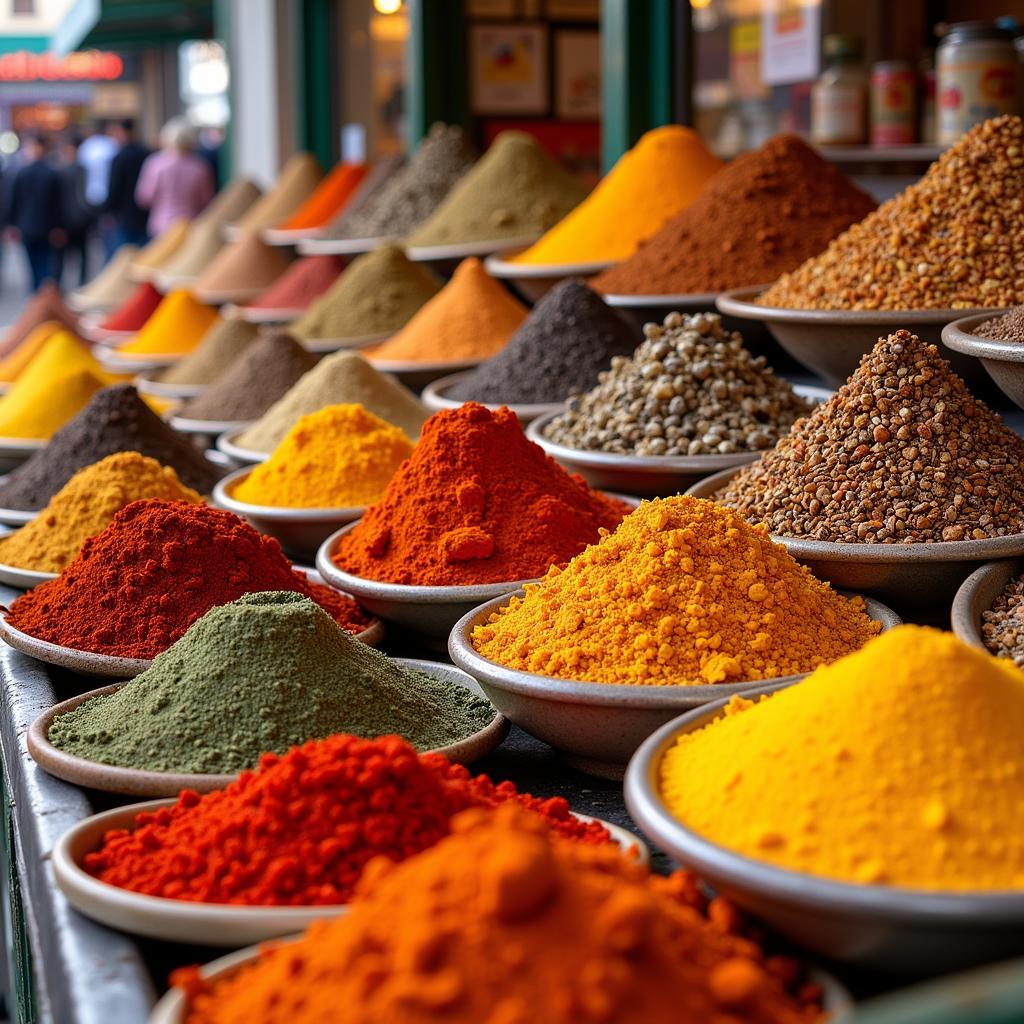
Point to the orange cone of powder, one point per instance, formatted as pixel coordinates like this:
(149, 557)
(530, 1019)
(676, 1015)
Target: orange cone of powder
(328, 199)
(175, 329)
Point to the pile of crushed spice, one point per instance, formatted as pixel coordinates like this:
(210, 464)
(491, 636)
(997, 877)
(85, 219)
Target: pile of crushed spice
(691, 388)
(232, 201)
(305, 280)
(504, 922)
(85, 506)
(40, 403)
(55, 347)
(413, 192)
(44, 306)
(205, 240)
(258, 676)
(761, 215)
(569, 337)
(135, 310)
(158, 567)
(515, 190)
(952, 240)
(1002, 625)
(901, 454)
(340, 378)
(220, 348)
(241, 270)
(470, 318)
(250, 385)
(365, 196)
(683, 593)
(1008, 327)
(111, 286)
(328, 199)
(297, 180)
(475, 503)
(174, 329)
(378, 294)
(151, 257)
(926, 762)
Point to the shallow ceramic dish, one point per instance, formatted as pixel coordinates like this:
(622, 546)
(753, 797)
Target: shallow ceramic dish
(341, 246)
(23, 579)
(157, 389)
(1003, 360)
(300, 531)
(977, 594)
(226, 446)
(831, 342)
(206, 428)
(596, 727)
(212, 297)
(116, 362)
(901, 931)
(445, 258)
(15, 450)
(534, 280)
(417, 375)
(16, 516)
(324, 346)
(289, 236)
(138, 783)
(91, 331)
(912, 576)
(255, 315)
(435, 397)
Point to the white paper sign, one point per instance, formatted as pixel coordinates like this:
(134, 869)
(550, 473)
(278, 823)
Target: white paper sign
(790, 43)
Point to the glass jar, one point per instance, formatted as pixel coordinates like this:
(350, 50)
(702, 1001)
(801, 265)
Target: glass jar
(892, 103)
(839, 98)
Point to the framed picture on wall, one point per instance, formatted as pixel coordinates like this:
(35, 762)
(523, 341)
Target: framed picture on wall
(509, 69)
(578, 76)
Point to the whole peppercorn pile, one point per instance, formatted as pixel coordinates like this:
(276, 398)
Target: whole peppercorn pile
(300, 829)
(954, 239)
(691, 388)
(901, 454)
(1002, 625)
(1008, 327)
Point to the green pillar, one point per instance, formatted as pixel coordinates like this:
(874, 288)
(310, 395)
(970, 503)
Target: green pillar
(437, 66)
(315, 86)
(636, 71)
(222, 32)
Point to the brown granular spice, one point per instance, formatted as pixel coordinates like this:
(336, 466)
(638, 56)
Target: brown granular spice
(763, 214)
(1008, 327)
(1002, 625)
(953, 240)
(902, 453)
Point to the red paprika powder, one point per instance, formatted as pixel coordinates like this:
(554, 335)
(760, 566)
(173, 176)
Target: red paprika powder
(133, 313)
(305, 280)
(300, 829)
(476, 502)
(159, 566)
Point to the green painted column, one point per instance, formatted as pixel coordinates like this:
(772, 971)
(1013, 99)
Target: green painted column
(222, 32)
(316, 77)
(437, 65)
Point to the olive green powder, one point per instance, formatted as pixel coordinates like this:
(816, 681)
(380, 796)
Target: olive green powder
(262, 674)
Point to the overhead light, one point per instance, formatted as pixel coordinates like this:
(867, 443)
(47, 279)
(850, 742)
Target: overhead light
(387, 6)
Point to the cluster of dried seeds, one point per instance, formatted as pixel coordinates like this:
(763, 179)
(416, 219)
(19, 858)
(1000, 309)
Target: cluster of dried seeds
(1008, 327)
(691, 388)
(1002, 626)
(903, 453)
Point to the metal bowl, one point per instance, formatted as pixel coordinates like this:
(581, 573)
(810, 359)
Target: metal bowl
(434, 397)
(300, 531)
(445, 258)
(887, 929)
(534, 280)
(595, 726)
(977, 594)
(417, 375)
(1004, 360)
(831, 342)
(909, 576)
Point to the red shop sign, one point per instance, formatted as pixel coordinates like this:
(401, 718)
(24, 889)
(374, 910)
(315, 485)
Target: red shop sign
(87, 66)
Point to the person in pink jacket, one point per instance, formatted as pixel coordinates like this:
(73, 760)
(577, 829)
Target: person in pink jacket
(174, 184)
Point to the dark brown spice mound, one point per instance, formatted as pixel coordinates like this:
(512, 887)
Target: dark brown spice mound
(903, 453)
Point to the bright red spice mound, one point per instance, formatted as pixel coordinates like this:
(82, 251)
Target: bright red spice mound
(301, 828)
(305, 280)
(476, 503)
(133, 313)
(159, 566)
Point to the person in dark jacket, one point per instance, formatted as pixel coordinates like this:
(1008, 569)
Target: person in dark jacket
(34, 210)
(78, 215)
(124, 214)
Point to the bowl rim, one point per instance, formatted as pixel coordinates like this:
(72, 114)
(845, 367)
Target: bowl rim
(407, 366)
(957, 336)
(190, 426)
(499, 264)
(812, 892)
(619, 300)
(29, 577)
(148, 386)
(325, 346)
(251, 314)
(11, 447)
(327, 246)
(964, 623)
(276, 513)
(463, 250)
(226, 446)
(628, 695)
(433, 398)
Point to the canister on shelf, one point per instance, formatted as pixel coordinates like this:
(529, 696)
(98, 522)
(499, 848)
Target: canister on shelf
(892, 103)
(839, 96)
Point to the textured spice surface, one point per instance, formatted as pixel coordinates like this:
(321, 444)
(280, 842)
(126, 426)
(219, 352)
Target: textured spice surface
(220, 348)
(242, 267)
(174, 329)
(504, 923)
(953, 239)
(328, 199)
(1002, 625)
(902, 453)
(558, 350)
(260, 675)
(86, 505)
(763, 214)
(691, 388)
(1008, 327)
(365, 196)
(475, 503)
(682, 593)
(136, 309)
(338, 457)
(926, 762)
(305, 280)
(45, 305)
(15, 364)
(299, 176)
(136, 587)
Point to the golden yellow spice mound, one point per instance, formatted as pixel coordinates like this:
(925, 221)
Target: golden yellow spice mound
(339, 457)
(85, 506)
(898, 765)
(684, 592)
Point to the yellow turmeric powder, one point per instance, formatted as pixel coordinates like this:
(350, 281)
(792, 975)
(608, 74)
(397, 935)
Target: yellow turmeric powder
(661, 175)
(897, 765)
(86, 505)
(339, 457)
(15, 363)
(684, 592)
(49, 392)
(176, 328)
(501, 922)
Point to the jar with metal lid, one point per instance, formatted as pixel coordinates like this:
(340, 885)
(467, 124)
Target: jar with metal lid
(893, 86)
(839, 96)
(976, 77)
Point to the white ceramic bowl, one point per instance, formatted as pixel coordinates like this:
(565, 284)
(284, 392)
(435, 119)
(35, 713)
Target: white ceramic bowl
(435, 398)
(176, 392)
(445, 258)
(23, 579)
(417, 375)
(226, 445)
(324, 346)
(341, 246)
(534, 280)
(16, 450)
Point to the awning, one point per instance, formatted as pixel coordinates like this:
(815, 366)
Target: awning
(124, 24)
(28, 44)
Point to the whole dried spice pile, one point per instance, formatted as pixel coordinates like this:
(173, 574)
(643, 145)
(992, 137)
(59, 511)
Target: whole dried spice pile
(1008, 327)
(919, 733)
(504, 922)
(953, 239)
(475, 503)
(901, 454)
(301, 828)
(158, 567)
(761, 215)
(1002, 625)
(691, 388)
(683, 593)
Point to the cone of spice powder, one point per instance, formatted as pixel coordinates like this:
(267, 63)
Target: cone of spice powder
(515, 190)
(232, 201)
(50, 349)
(133, 313)
(15, 363)
(204, 241)
(40, 403)
(46, 304)
(471, 318)
(365, 195)
(175, 329)
(328, 199)
(377, 294)
(221, 346)
(116, 420)
(299, 176)
(340, 378)
(305, 280)
(150, 258)
(112, 285)
(241, 270)
(264, 371)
